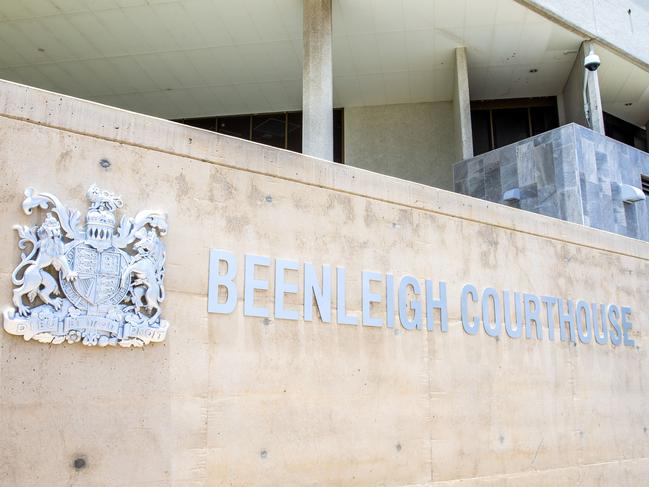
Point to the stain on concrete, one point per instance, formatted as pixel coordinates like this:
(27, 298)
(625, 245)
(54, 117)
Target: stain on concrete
(182, 185)
(343, 203)
(219, 187)
(63, 160)
(79, 463)
(488, 247)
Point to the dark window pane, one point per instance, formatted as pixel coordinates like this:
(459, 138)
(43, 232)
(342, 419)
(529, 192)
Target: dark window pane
(237, 126)
(294, 132)
(543, 119)
(208, 123)
(481, 131)
(269, 129)
(625, 132)
(510, 125)
(283, 130)
(338, 135)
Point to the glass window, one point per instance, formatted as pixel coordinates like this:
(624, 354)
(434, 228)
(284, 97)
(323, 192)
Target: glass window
(208, 123)
(625, 132)
(270, 129)
(510, 125)
(283, 130)
(543, 119)
(338, 135)
(237, 126)
(294, 131)
(481, 129)
(497, 123)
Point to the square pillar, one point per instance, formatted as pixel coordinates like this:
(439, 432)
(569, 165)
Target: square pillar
(317, 84)
(582, 91)
(462, 107)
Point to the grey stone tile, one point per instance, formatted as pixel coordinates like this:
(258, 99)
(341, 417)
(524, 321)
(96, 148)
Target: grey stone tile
(550, 206)
(529, 197)
(565, 166)
(593, 205)
(644, 164)
(545, 192)
(544, 164)
(571, 173)
(631, 220)
(461, 186)
(525, 162)
(507, 156)
(587, 161)
(627, 173)
(619, 215)
(460, 170)
(544, 138)
(493, 189)
(475, 166)
(476, 185)
(571, 205)
(566, 134)
(509, 177)
(603, 170)
(642, 209)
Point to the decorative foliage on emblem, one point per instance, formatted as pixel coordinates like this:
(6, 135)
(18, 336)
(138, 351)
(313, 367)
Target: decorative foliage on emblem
(89, 283)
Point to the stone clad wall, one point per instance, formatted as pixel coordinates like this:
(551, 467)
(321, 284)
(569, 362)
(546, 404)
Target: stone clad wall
(234, 400)
(571, 173)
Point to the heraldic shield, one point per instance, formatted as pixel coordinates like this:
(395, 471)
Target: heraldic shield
(112, 281)
(99, 276)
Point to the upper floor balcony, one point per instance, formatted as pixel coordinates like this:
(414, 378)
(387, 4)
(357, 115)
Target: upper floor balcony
(572, 173)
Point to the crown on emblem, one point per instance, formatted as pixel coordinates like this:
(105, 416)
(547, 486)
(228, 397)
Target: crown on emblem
(100, 219)
(100, 225)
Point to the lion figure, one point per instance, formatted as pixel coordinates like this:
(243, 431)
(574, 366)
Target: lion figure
(36, 281)
(147, 268)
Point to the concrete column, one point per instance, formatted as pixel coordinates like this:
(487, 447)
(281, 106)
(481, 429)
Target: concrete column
(593, 96)
(574, 96)
(462, 107)
(317, 85)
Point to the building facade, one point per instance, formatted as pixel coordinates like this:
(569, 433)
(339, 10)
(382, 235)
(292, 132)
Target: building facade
(406, 242)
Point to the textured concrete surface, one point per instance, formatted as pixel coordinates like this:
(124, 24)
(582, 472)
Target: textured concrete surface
(413, 141)
(462, 107)
(571, 173)
(573, 94)
(618, 24)
(228, 400)
(317, 81)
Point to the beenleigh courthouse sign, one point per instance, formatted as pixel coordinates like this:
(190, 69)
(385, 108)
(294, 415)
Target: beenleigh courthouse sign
(416, 305)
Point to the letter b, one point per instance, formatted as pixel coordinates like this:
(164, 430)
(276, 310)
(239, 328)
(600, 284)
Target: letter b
(216, 280)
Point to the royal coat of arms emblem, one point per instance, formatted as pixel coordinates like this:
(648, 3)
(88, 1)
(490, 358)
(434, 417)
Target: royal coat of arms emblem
(89, 283)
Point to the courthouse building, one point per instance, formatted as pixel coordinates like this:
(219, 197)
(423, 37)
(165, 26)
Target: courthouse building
(390, 242)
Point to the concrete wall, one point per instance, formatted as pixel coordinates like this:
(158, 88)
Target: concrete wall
(573, 92)
(234, 400)
(413, 141)
(621, 25)
(572, 109)
(462, 107)
(571, 172)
